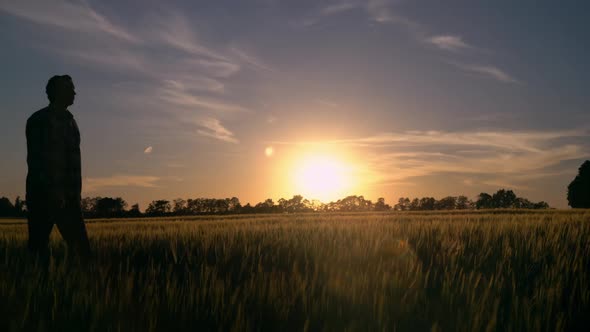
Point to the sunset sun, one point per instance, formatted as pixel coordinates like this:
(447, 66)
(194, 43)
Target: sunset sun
(322, 177)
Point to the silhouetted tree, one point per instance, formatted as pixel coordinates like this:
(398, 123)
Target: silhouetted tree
(179, 207)
(578, 191)
(234, 205)
(88, 205)
(504, 199)
(541, 205)
(221, 206)
(427, 203)
(464, 203)
(403, 204)
(414, 205)
(6, 208)
(349, 203)
(158, 208)
(134, 212)
(522, 203)
(268, 206)
(295, 204)
(20, 207)
(446, 203)
(108, 207)
(192, 206)
(484, 201)
(247, 209)
(380, 205)
(357, 203)
(316, 205)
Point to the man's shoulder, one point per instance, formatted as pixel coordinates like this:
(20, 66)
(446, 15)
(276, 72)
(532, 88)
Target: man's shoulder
(69, 115)
(39, 116)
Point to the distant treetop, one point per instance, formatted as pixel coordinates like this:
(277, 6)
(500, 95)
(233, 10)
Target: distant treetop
(578, 191)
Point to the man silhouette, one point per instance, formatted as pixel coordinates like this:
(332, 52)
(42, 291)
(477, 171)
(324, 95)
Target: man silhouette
(54, 180)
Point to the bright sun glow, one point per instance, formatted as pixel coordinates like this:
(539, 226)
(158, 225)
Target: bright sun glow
(269, 151)
(323, 178)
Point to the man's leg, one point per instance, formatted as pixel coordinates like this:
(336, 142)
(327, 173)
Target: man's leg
(72, 228)
(40, 226)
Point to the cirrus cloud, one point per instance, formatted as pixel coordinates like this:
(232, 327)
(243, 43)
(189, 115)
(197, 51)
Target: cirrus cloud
(514, 157)
(448, 42)
(92, 184)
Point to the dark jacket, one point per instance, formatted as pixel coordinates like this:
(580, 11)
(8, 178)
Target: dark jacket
(53, 156)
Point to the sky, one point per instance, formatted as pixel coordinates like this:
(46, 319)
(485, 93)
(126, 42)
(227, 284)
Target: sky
(271, 98)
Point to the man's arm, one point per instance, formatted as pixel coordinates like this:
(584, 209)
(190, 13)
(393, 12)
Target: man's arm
(43, 156)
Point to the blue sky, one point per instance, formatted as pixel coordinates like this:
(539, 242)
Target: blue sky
(415, 98)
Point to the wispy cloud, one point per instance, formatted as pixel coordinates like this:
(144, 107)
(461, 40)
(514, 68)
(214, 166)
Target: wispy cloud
(213, 128)
(383, 12)
(71, 15)
(328, 103)
(189, 77)
(195, 84)
(93, 184)
(111, 58)
(173, 29)
(489, 72)
(379, 11)
(249, 59)
(504, 183)
(178, 111)
(507, 140)
(508, 156)
(328, 10)
(339, 7)
(214, 68)
(448, 42)
(175, 93)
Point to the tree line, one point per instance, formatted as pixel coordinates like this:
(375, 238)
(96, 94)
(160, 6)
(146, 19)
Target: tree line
(8, 209)
(109, 207)
(502, 199)
(578, 196)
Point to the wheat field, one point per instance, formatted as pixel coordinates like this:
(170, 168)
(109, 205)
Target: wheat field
(456, 271)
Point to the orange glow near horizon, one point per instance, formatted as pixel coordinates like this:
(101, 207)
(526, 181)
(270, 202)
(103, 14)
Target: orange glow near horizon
(322, 176)
(318, 171)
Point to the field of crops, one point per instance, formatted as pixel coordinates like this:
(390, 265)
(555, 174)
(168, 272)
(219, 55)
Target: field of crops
(471, 271)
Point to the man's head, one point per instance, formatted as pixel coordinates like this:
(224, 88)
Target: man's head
(60, 90)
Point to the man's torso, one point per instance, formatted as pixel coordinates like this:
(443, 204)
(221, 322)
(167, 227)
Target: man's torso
(53, 155)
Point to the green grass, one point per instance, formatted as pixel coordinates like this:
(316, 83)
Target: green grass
(468, 271)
